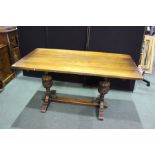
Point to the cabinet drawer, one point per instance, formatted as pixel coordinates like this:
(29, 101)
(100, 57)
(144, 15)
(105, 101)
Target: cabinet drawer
(6, 73)
(5, 66)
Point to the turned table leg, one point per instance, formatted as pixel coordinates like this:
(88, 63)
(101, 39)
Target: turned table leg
(47, 83)
(103, 89)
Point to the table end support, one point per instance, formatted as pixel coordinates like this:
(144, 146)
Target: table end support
(47, 83)
(103, 89)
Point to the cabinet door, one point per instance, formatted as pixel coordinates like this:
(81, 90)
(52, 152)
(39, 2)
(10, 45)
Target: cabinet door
(5, 66)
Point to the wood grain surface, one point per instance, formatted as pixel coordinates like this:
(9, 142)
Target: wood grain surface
(6, 74)
(64, 99)
(91, 63)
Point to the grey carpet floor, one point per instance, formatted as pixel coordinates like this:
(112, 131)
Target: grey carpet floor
(120, 114)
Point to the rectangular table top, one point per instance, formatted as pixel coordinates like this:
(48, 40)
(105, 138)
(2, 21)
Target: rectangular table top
(91, 63)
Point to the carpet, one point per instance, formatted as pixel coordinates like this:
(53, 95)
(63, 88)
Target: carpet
(121, 114)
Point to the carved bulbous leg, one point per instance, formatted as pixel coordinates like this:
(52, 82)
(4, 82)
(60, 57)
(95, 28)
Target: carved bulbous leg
(103, 89)
(47, 83)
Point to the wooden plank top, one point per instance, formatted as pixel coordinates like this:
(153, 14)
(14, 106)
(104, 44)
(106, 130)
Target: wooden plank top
(91, 63)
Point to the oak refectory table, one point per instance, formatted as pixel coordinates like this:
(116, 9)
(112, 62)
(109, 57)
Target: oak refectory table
(90, 63)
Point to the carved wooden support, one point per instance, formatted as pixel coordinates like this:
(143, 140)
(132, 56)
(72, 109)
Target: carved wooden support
(47, 83)
(50, 95)
(103, 89)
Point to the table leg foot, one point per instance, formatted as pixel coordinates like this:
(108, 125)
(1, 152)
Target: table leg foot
(101, 111)
(47, 83)
(101, 114)
(44, 108)
(103, 89)
(106, 104)
(45, 104)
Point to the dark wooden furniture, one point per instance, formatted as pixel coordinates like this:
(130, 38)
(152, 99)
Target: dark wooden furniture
(9, 36)
(104, 65)
(9, 53)
(6, 74)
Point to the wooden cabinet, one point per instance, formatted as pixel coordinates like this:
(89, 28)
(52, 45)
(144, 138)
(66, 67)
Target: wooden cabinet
(6, 73)
(9, 36)
(9, 53)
